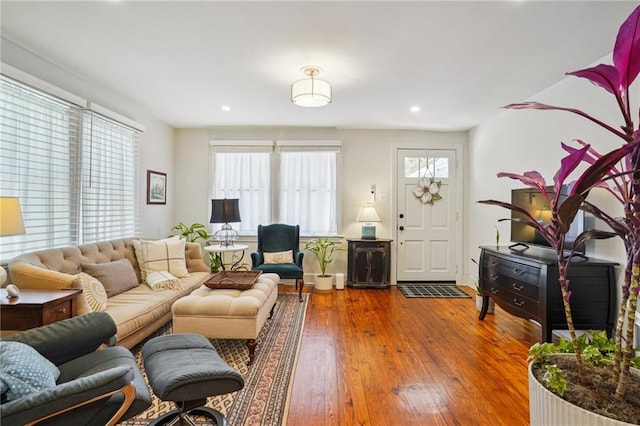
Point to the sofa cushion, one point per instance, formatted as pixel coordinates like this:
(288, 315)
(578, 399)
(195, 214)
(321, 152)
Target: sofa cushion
(278, 257)
(162, 280)
(93, 291)
(161, 255)
(23, 371)
(116, 277)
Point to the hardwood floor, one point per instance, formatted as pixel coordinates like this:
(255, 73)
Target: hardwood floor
(374, 357)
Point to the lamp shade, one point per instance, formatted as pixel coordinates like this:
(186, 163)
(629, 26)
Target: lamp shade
(11, 222)
(225, 210)
(368, 214)
(311, 92)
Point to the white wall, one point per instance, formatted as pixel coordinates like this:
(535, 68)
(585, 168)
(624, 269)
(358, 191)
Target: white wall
(156, 143)
(518, 141)
(368, 158)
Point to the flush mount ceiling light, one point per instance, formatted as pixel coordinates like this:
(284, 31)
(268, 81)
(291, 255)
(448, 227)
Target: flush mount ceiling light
(311, 92)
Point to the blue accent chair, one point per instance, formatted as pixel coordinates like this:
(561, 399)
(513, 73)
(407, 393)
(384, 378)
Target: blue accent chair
(277, 238)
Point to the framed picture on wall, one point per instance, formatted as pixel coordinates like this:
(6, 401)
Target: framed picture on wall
(156, 187)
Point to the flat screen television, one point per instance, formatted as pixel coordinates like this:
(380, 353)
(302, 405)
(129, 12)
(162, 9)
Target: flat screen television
(532, 201)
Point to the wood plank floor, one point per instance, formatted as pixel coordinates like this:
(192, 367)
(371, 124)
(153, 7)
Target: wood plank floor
(374, 357)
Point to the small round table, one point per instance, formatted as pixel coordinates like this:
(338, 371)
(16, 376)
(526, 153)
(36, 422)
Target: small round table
(236, 251)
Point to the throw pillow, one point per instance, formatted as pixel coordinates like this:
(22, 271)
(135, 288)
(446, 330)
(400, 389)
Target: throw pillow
(161, 255)
(23, 371)
(163, 280)
(93, 291)
(117, 276)
(278, 257)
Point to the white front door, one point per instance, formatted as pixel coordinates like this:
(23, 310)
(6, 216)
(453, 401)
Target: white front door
(426, 232)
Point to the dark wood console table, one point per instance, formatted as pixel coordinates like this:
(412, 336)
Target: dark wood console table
(369, 263)
(525, 284)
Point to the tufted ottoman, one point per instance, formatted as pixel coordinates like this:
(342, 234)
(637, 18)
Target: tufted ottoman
(228, 313)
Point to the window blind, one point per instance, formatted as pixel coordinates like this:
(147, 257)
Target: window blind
(74, 171)
(109, 176)
(38, 163)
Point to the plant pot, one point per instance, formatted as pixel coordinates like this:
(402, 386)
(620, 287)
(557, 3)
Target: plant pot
(323, 282)
(492, 304)
(547, 408)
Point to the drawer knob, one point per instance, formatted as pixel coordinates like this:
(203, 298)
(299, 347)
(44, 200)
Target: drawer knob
(493, 264)
(493, 277)
(518, 287)
(62, 311)
(518, 303)
(518, 271)
(494, 290)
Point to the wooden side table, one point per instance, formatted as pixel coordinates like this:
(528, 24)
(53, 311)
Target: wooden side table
(35, 308)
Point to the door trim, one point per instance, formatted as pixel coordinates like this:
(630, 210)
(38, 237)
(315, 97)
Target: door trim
(458, 147)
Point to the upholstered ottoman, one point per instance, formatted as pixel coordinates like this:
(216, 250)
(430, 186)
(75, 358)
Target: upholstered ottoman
(228, 313)
(186, 369)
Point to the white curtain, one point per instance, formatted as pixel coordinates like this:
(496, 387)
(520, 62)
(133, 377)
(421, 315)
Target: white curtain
(307, 191)
(246, 176)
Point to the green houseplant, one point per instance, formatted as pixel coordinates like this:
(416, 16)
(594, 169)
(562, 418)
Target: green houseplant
(618, 172)
(323, 249)
(195, 232)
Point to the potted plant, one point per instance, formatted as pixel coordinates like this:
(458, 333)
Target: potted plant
(323, 249)
(617, 171)
(192, 233)
(195, 232)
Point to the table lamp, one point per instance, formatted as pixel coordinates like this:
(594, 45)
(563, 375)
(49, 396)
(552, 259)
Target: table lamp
(225, 211)
(11, 223)
(368, 214)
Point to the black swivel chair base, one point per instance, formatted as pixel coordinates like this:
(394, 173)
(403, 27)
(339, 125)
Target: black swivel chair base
(181, 416)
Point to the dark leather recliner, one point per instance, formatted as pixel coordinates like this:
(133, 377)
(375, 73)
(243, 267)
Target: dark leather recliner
(96, 386)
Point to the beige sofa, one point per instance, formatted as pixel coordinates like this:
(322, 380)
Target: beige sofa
(138, 311)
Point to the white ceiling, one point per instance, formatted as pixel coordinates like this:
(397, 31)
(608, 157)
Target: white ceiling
(459, 61)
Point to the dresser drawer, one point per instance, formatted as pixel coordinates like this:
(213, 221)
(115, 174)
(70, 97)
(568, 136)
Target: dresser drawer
(57, 312)
(508, 268)
(522, 288)
(515, 303)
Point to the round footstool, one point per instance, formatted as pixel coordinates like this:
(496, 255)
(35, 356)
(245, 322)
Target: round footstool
(185, 368)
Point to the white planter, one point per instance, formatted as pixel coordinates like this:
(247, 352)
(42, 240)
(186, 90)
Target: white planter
(323, 283)
(546, 408)
(492, 304)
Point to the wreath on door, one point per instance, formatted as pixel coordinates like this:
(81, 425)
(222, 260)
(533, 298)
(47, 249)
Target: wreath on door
(427, 190)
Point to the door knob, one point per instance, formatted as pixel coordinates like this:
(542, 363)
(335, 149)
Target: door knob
(402, 228)
(401, 216)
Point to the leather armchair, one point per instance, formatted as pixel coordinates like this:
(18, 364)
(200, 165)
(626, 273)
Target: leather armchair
(95, 387)
(277, 238)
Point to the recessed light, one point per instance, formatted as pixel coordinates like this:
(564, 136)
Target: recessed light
(226, 108)
(414, 109)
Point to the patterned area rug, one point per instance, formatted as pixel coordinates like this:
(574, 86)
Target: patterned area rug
(431, 290)
(265, 397)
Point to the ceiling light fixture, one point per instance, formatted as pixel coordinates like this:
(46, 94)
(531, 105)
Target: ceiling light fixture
(225, 108)
(415, 109)
(311, 92)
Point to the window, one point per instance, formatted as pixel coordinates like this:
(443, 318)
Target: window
(287, 182)
(435, 167)
(73, 170)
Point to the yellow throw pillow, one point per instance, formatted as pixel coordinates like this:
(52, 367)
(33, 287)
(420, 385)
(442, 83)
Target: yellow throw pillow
(278, 257)
(161, 255)
(163, 280)
(93, 291)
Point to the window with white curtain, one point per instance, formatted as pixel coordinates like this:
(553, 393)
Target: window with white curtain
(294, 182)
(73, 170)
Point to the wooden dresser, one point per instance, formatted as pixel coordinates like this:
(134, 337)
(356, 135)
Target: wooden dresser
(525, 284)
